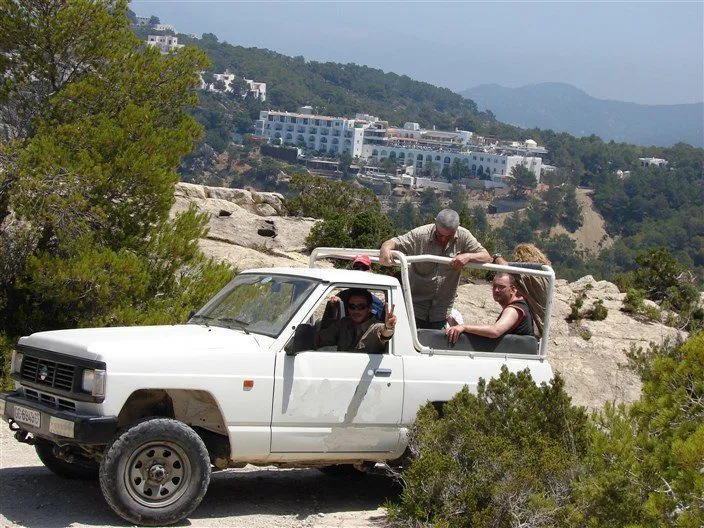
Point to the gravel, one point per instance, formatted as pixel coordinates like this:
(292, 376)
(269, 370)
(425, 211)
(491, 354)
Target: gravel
(32, 496)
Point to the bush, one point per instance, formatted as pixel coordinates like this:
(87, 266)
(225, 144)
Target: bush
(506, 456)
(634, 303)
(644, 465)
(575, 309)
(598, 312)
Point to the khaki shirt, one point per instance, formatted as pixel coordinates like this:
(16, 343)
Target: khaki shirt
(365, 338)
(434, 286)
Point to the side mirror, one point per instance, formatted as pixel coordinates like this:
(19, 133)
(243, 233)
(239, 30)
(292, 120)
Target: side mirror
(191, 314)
(303, 339)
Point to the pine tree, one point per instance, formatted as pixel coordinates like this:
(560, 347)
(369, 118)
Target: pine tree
(98, 124)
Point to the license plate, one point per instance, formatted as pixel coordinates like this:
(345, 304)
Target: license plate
(28, 416)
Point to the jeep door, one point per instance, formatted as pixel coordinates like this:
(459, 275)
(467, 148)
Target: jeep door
(337, 402)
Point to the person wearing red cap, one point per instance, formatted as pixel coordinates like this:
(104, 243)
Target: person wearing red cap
(362, 263)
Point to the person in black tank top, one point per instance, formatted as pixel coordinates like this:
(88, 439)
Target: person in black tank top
(524, 325)
(514, 318)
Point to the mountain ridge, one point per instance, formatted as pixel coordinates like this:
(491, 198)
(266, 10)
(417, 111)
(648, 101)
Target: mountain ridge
(566, 108)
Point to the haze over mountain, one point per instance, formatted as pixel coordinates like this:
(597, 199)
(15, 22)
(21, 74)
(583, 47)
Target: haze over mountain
(565, 108)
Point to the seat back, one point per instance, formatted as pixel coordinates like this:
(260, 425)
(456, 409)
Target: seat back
(506, 344)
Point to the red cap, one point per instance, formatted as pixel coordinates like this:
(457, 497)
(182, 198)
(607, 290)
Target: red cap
(364, 259)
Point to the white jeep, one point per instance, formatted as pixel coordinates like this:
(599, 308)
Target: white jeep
(153, 410)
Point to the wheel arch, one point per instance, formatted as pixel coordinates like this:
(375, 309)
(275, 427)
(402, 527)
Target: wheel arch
(196, 408)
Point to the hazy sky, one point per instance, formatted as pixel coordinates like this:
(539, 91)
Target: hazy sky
(645, 52)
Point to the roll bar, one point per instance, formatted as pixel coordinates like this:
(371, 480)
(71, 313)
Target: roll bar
(404, 261)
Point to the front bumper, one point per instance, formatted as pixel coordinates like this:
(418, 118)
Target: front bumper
(65, 428)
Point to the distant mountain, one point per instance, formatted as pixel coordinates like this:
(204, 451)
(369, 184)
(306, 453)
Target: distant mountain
(564, 108)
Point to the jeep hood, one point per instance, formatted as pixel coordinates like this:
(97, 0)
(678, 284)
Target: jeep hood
(133, 342)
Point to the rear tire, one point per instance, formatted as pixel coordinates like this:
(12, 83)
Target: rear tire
(155, 473)
(80, 469)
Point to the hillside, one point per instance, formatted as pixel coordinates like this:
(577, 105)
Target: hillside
(337, 89)
(564, 108)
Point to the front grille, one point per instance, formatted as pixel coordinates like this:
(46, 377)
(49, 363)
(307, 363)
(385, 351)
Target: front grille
(48, 373)
(51, 401)
(56, 374)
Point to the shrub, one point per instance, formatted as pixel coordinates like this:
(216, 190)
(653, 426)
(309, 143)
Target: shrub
(575, 309)
(634, 303)
(506, 456)
(644, 466)
(585, 333)
(598, 312)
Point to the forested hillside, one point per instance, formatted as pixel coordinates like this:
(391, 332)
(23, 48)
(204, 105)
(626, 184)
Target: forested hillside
(338, 89)
(652, 208)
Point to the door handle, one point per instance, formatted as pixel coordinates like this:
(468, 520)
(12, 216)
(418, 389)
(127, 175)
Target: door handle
(382, 372)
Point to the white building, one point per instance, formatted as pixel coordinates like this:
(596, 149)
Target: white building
(325, 134)
(652, 162)
(373, 140)
(256, 89)
(166, 43)
(495, 164)
(164, 27)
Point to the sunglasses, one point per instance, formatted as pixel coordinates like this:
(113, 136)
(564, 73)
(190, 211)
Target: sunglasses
(358, 306)
(361, 267)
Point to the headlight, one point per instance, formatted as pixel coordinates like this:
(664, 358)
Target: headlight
(93, 382)
(16, 362)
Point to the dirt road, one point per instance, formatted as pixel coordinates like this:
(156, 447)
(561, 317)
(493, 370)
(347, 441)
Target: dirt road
(32, 496)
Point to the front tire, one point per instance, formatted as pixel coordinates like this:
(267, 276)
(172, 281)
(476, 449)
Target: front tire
(155, 473)
(80, 469)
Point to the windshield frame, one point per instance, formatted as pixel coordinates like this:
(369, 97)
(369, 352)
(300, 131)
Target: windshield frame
(203, 316)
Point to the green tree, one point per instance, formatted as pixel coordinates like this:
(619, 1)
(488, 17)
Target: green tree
(429, 203)
(345, 162)
(388, 165)
(405, 216)
(458, 197)
(88, 177)
(319, 197)
(522, 180)
(644, 466)
(362, 229)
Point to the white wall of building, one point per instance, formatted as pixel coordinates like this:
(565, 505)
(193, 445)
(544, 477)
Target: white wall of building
(332, 135)
(368, 139)
(497, 166)
(165, 43)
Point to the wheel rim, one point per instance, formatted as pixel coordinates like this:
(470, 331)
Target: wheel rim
(157, 474)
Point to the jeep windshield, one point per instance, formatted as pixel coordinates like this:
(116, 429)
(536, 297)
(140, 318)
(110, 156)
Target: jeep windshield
(257, 303)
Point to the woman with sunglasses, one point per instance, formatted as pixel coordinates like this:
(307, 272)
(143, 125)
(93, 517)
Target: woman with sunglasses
(359, 331)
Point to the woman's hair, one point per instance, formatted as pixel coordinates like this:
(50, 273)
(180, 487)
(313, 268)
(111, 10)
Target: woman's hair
(529, 253)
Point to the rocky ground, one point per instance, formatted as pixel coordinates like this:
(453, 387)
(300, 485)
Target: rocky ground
(33, 497)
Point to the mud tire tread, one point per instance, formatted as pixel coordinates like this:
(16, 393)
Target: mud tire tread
(121, 447)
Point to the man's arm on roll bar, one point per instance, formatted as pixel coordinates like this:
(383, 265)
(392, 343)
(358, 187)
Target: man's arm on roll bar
(460, 261)
(385, 258)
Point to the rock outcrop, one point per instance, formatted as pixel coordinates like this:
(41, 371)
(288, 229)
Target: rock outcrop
(248, 231)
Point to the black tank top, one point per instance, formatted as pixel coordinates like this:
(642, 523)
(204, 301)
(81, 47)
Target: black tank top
(524, 325)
